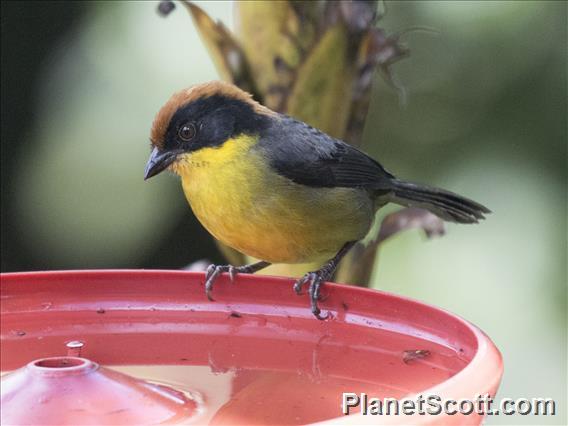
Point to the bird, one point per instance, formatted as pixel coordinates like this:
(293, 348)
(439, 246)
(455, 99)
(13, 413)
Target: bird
(276, 188)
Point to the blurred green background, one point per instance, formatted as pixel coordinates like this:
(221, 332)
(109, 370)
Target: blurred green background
(485, 117)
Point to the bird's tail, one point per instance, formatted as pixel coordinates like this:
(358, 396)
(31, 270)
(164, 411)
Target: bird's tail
(444, 204)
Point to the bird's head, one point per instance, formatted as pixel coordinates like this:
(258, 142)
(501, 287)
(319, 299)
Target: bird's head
(203, 116)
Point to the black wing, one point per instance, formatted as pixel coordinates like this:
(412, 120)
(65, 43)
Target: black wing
(309, 157)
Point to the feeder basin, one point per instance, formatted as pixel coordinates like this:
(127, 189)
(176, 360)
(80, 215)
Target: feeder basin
(142, 346)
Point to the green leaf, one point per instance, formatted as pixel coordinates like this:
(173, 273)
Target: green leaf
(273, 40)
(321, 95)
(225, 51)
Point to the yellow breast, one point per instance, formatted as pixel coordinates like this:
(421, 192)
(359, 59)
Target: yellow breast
(242, 202)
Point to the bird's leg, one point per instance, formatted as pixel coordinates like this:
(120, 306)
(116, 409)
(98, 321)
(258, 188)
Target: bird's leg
(213, 271)
(317, 278)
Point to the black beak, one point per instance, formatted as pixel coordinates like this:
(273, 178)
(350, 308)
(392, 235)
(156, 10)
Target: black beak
(158, 162)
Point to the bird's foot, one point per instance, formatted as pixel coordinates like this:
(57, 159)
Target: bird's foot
(315, 280)
(213, 271)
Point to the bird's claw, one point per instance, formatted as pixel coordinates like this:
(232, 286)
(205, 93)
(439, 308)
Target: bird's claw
(316, 279)
(209, 271)
(233, 273)
(213, 271)
(300, 283)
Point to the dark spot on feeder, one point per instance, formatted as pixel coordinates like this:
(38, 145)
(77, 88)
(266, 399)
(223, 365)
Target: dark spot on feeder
(414, 354)
(166, 7)
(235, 315)
(117, 411)
(345, 306)
(19, 333)
(100, 311)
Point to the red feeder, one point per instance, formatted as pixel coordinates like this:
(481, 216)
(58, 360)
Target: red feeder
(254, 356)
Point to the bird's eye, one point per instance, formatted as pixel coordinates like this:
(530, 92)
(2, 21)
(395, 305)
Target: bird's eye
(187, 132)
